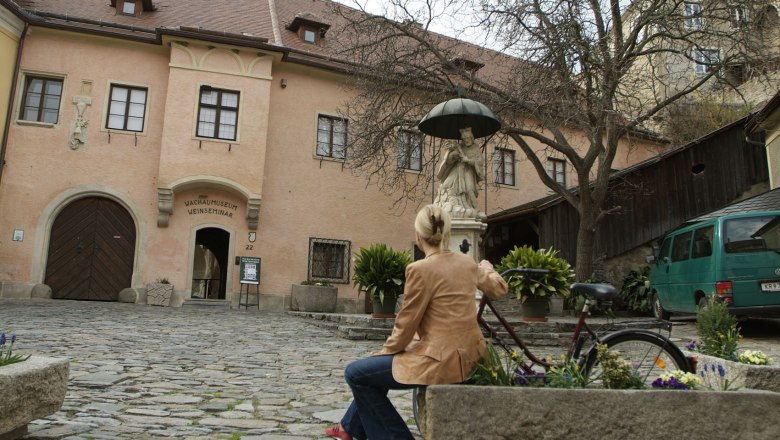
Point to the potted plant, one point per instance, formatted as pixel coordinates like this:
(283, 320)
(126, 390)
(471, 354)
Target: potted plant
(159, 293)
(535, 292)
(380, 271)
(314, 296)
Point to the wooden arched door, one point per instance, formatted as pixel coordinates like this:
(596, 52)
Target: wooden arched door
(91, 251)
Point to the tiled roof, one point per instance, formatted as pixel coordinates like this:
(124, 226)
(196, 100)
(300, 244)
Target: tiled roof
(266, 19)
(768, 201)
(232, 16)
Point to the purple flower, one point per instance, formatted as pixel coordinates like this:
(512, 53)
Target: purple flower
(721, 370)
(2, 339)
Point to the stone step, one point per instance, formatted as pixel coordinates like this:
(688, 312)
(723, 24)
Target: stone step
(551, 334)
(207, 303)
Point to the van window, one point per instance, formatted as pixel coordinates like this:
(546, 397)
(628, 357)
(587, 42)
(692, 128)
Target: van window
(752, 234)
(664, 253)
(681, 247)
(702, 242)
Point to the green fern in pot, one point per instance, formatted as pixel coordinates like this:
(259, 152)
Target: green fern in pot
(380, 271)
(556, 281)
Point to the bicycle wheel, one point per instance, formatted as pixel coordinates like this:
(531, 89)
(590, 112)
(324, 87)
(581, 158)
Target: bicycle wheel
(649, 354)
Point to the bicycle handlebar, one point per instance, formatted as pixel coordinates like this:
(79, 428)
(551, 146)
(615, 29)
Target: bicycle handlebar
(523, 271)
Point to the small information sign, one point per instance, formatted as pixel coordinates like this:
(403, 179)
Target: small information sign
(250, 270)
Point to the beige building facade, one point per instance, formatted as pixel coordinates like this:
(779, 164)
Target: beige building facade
(143, 148)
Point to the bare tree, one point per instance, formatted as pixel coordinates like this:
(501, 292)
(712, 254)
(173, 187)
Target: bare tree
(572, 77)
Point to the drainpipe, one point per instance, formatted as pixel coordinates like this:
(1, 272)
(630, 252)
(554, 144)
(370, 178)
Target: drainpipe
(9, 113)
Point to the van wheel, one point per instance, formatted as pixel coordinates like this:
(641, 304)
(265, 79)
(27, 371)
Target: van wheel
(658, 309)
(703, 302)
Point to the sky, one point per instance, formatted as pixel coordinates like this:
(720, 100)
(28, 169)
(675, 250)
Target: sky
(449, 22)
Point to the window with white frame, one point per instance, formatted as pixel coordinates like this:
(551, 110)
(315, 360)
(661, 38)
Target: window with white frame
(693, 17)
(739, 16)
(41, 100)
(329, 260)
(504, 166)
(410, 150)
(217, 113)
(331, 137)
(126, 108)
(705, 60)
(556, 169)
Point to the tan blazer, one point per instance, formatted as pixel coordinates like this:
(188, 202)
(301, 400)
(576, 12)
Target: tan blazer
(439, 306)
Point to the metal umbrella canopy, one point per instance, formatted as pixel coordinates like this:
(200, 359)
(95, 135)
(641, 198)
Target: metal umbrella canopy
(449, 117)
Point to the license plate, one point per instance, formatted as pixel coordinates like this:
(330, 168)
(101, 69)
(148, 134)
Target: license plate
(770, 287)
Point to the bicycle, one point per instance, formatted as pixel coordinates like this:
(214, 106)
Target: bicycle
(649, 353)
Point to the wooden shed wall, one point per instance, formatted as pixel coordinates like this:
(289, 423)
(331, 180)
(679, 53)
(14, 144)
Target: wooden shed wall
(658, 197)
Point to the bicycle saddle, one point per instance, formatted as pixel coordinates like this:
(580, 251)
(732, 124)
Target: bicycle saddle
(596, 291)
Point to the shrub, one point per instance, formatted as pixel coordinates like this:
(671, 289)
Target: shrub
(634, 293)
(718, 330)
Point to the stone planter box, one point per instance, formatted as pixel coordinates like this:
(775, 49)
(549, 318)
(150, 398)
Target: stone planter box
(484, 412)
(307, 298)
(30, 390)
(757, 377)
(159, 294)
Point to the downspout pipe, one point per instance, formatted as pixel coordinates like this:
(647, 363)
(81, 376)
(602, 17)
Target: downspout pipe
(11, 96)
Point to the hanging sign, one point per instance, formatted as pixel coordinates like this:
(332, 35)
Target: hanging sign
(250, 270)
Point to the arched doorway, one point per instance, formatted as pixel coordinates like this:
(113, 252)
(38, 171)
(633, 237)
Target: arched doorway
(91, 251)
(210, 263)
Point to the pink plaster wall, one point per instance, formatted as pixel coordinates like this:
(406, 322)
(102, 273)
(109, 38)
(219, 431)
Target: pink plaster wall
(273, 160)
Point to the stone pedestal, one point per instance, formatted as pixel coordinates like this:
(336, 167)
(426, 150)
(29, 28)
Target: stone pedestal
(469, 229)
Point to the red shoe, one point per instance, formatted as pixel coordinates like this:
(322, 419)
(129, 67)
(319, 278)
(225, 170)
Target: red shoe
(335, 431)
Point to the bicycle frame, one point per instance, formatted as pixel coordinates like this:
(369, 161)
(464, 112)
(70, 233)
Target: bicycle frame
(573, 352)
(582, 330)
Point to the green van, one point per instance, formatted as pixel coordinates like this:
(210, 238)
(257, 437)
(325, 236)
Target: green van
(735, 257)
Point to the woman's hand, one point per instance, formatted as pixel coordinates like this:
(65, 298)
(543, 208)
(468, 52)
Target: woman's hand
(485, 264)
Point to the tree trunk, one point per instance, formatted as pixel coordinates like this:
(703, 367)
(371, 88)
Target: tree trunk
(586, 234)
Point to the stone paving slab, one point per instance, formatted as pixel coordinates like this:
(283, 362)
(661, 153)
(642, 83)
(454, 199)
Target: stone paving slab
(142, 372)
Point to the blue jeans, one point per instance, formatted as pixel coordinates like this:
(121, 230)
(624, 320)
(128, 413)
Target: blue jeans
(371, 415)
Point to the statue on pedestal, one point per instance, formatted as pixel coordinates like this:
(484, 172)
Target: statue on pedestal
(459, 174)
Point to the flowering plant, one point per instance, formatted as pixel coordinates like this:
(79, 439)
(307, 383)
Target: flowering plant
(507, 370)
(677, 380)
(753, 357)
(721, 381)
(7, 357)
(493, 370)
(616, 372)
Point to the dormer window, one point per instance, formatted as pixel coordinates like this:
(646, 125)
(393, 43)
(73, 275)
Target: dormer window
(309, 36)
(467, 64)
(309, 28)
(133, 7)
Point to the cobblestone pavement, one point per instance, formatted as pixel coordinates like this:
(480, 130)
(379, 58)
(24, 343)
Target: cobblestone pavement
(140, 371)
